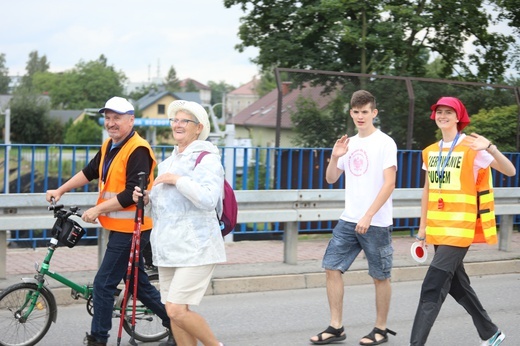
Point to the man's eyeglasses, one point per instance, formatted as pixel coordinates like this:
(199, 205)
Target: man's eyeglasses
(182, 122)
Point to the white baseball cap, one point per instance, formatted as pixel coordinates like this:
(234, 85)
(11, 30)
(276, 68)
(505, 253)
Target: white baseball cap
(193, 108)
(119, 105)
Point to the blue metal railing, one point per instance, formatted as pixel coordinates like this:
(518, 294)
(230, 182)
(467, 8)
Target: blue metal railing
(37, 167)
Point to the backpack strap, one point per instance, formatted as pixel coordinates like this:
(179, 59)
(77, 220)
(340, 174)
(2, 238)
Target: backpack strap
(197, 161)
(199, 158)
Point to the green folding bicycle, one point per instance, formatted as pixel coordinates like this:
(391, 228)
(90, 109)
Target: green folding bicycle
(27, 309)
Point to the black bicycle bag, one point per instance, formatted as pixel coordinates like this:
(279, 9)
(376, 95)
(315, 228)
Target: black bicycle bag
(68, 232)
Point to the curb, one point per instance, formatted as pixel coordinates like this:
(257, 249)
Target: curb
(236, 285)
(354, 277)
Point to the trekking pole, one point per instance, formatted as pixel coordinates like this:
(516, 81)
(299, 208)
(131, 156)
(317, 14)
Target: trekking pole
(133, 262)
(139, 220)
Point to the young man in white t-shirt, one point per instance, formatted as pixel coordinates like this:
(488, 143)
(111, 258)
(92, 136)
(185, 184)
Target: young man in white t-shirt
(369, 161)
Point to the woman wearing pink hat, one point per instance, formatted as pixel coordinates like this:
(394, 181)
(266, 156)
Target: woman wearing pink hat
(457, 210)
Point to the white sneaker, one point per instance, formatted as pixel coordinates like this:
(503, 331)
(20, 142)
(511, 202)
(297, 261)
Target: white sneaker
(495, 340)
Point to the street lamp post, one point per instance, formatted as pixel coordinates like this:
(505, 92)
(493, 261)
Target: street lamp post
(7, 136)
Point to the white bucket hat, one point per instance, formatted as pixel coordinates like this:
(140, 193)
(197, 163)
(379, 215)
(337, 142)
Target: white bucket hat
(119, 105)
(195, 109)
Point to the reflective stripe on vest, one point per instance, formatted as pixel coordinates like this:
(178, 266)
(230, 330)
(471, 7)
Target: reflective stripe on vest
(486, 230)
(122, 220)
(118, 214)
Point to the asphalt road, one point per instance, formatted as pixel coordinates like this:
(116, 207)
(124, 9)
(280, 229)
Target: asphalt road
(287, 318)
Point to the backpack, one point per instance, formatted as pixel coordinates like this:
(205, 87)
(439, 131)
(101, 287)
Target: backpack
(228, 220)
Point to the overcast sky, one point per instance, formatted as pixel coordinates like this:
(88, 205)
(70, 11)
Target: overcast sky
(140, 38)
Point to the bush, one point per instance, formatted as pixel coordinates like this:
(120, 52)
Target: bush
(86, 131)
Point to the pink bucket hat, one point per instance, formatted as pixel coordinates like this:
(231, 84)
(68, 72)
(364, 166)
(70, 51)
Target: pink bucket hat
(455, 103)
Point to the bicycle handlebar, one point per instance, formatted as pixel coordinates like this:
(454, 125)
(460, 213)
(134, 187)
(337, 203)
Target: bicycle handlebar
(55, 206)
(62, 214)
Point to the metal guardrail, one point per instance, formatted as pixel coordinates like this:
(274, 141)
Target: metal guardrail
(29, 211)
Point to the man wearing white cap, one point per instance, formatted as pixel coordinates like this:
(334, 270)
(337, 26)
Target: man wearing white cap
(117, 165)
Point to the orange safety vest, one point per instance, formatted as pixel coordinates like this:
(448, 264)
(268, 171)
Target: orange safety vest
(121, 220)
(467, 214)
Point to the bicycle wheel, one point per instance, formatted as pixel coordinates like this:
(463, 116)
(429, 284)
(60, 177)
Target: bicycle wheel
(14, 303)
(148, 326)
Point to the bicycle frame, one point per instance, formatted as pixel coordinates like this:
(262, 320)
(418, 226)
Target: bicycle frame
(79, 291)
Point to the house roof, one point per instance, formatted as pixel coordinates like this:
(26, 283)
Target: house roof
(262, 113)
(246, 89)
(153, 96)
(183, 83)
(64, 115)
(193, 96)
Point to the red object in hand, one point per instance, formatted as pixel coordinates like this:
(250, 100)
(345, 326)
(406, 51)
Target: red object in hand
(419, 252)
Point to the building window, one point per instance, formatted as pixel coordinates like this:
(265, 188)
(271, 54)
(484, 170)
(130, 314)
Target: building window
(161, 109)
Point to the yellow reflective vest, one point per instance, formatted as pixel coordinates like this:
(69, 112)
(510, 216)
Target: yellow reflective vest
(121, 220)
(460, 209)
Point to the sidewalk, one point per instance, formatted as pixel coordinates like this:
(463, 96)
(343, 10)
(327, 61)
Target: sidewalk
(258, 265)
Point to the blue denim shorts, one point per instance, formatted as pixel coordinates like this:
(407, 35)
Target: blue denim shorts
(346, 244)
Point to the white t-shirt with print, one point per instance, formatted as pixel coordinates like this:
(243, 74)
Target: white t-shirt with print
(363, 165)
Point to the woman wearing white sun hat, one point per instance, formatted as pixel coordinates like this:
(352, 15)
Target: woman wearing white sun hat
(186, 239)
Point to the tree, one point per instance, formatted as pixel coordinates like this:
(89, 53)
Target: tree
(498, 125)
(171, 82)
(389, 37)
(29, 114)
(190, 86)
(54, 131)
(35, 65)
(218, 90)
(381, 37)
(311, 123)
(509, 10)
(142, 91)
(87, 85)
(267, 83)
(4, 75)
(86, 131)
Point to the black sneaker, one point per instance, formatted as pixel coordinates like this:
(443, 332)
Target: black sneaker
(92, 341)
(150, 269)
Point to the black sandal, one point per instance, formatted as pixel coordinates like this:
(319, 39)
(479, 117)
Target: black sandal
(372, 336)
(337, 335)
